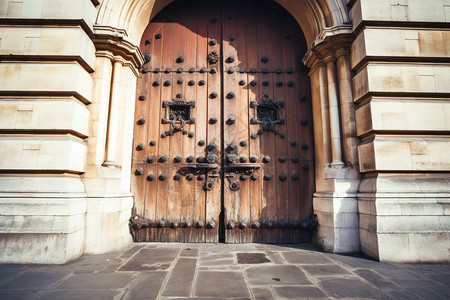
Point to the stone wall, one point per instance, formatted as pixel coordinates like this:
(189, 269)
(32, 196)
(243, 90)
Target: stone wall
(401, 86)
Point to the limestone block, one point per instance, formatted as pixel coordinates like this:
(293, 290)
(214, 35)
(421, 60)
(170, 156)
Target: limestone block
(400, 11)
(41, 248)
(46, 78)
(25, 185)
(41, 224)
(107, 224)
(49, 9)
(42, 205)
(62, 153)
(403, 115)
(48, 41)
(44, 114)
(401, 78)
(400, 43)
(405, 154)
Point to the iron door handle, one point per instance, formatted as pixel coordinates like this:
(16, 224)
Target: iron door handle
(242, 168)
(203, 167)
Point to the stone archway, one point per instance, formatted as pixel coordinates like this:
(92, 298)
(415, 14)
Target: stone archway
(325, 23)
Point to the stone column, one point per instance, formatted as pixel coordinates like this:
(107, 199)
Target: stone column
(114, 111)
(336, 152)
(348, 124)
(325, 113)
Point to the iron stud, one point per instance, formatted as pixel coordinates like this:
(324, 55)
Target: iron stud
(139, 171)
(147, 57)
(231, 95)
(162, 223)
(201, 159)
(180, 59)
(177, 177)
(203, 70)
(162, 177)
(254, 177)
(282, 135)
(201, 177)
(256, 224)
(156, 83)
(200, 224)
(294, 159)
(230, 70)
(211, 225)
(232, 37)
(141, 121)
(158, 36)
(243, 159)
(191, 135)
(264, 59)
(302, 97)
(305, 166)
(179, 70)
(304, 146)
(253, 82)
(253, 159)
(150, 177)
(191, 82)
(230, 225)
(212, 42)
(179, 95)
(289, 70)
(189, 177)
(168, 70)
(201, 143)
(162, 158)
(213, 120)
(279, 83)
(142, 97)
(213, 95)
(163, 135)
(253, 136)
(265, 82)
(282, 177)
(282, 159)
(148, 41)
(279, 71)
(267, 177)
(190, 159)
(242, 82)
(231, 120)
(201, 82)
(243, 177)
(293, 143)
(167, 83)
(140, 147)
(230, 59)
(294, 176)
(266, 158)
(177, 159)
(156, 70)
(152, 143)
(191, 70)
(180, 81)
(150, 160)
(290, 83)
(243, 143)
(260, 132)
(213, 71)
(253, 71)
(174, 223)
(241, 70)
(303, 121)
(265, 70)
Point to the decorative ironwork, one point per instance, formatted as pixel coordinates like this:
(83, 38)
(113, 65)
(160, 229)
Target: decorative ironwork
(267, 113)
(178, 113)
(213, 57)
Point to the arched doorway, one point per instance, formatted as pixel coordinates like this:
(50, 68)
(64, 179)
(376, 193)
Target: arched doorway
(223, 145)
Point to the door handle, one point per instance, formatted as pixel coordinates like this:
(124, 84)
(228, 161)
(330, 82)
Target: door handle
(243, 168)
(203, 167)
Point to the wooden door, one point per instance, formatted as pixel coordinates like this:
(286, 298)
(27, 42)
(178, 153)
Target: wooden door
(223, 135)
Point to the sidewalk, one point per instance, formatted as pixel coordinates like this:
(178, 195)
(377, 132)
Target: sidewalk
(223, 271)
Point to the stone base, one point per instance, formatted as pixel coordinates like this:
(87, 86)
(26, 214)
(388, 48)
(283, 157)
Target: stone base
(405, 219)
(50, 220)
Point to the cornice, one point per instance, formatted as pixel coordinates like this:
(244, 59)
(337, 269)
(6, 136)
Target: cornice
(331, 42)
(114, 40)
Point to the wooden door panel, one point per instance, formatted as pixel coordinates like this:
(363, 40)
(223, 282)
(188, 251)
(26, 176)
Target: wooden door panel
(261, 46)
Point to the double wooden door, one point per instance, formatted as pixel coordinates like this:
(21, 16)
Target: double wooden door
(223, 146)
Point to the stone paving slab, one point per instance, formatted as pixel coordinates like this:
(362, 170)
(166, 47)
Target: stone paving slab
(163, 271)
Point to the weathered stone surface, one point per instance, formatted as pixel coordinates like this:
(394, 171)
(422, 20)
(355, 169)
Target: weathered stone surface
(32, 280)
(349, 288)
(180, 281)
(146, 286)
(298, 292)
(80, 294)
(252, 258)
(151, 260)
(96, 281)
(305, 258)
(275, 275)
(262, 293)
(324, 270)
(211, 284)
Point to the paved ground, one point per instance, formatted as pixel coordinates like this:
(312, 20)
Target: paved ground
(208, 271)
